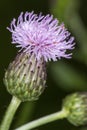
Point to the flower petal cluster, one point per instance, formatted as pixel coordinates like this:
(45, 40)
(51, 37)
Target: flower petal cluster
(41, 35)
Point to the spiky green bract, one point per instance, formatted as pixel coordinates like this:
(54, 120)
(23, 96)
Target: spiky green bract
(25, 77)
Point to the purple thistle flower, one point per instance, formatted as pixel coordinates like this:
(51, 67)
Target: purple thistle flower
(42, 36)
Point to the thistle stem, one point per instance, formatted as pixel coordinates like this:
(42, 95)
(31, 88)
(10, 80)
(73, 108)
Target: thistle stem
(44, 120)
(6, 122)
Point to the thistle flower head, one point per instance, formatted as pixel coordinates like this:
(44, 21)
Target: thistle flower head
(41, 35)
(76, 105)
(40, 39)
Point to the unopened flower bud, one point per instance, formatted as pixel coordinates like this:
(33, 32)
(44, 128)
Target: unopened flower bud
(76, 105)
(25, 77)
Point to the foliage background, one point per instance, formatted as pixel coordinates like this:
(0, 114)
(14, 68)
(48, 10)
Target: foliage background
(64, 76)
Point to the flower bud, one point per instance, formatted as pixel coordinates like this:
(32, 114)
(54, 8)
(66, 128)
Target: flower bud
(25, 77)
(76, 105)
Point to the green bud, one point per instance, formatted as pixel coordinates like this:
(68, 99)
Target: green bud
(76, 105)
(25, 77)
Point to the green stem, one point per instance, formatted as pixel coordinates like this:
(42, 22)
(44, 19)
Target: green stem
(44, 120)
(15, 102)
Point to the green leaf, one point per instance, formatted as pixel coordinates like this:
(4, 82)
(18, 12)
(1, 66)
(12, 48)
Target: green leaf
(68, 77)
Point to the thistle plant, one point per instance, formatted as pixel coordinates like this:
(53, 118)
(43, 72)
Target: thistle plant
(40, 39)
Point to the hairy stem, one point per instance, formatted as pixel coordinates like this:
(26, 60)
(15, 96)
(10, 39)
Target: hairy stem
(6, 122)
(44, 120)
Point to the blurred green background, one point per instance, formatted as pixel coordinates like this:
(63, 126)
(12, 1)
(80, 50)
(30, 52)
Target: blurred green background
(64, 76)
